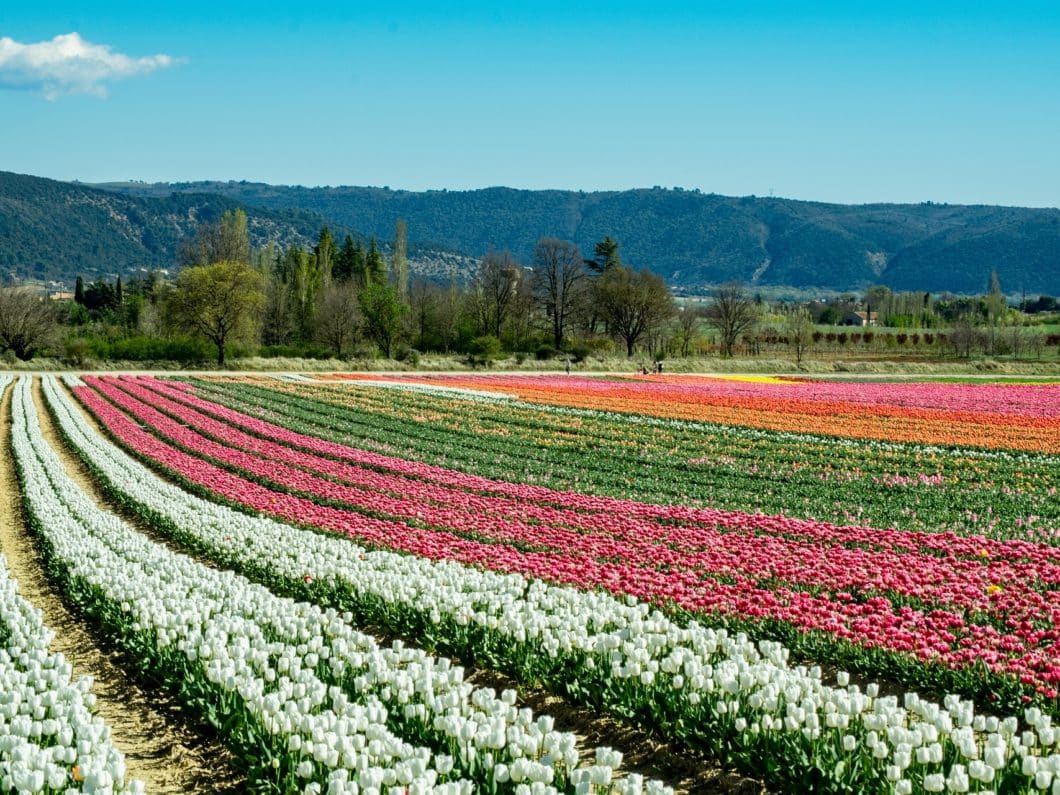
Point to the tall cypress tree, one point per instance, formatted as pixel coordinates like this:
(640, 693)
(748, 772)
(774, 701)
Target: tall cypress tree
(374, 265)
(79, 291)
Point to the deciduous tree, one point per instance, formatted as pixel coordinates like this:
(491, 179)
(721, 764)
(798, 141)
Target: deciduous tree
(633, 302)
(559, 272)
(798, 329)
(382, 315)
(227, 240)
(399, 259)
(27, 321)
(326, 253)
(493, 291)
(220, 301)
(732, 313)
(688, 320)
(339, 316)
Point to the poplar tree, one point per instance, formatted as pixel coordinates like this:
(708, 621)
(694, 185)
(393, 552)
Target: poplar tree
(326, 254)
(400, 261)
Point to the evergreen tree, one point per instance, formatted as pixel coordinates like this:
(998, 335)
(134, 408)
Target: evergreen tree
(79, 291)
(348, 261)
(605, 256)
(119, 294)
(374, 265)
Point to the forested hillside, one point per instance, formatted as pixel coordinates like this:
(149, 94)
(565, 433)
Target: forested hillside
(52, 230)
(694, 239)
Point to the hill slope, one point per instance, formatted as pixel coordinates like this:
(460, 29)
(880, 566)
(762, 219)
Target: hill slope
(53, 230)
(695, 239)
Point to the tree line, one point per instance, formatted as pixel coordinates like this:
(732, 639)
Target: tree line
(354, 298)
(348, 296)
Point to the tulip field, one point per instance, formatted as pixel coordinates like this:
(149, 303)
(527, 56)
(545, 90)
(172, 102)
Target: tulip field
(828, 587)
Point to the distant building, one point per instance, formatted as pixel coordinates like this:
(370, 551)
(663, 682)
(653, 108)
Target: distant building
(61, 295)
(857, 319)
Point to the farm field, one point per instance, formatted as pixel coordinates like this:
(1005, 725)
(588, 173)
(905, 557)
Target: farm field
(822, 587)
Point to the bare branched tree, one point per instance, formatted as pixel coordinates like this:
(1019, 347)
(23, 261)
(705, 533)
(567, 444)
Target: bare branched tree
(27, 321)
(687, 327)
(559, 271)
(339, 316)
(732, 314)
(494, 290)
(966, 336)
(798, 329)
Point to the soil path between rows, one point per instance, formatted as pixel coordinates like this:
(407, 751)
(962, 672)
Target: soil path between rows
(686, 771)
(148, 726)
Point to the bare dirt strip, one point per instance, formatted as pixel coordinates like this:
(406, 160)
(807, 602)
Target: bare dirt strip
(160, 748)
(686, 771)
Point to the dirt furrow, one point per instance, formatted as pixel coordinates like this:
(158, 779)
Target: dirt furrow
(160, 748)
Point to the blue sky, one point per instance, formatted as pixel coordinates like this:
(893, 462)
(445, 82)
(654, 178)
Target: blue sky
(846, 102)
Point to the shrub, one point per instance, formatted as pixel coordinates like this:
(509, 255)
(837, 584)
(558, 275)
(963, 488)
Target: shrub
(601, 346)
(408, 355)
(308, 351)
(579, 353)
(76, 350)
(544, 352)
(483, 350)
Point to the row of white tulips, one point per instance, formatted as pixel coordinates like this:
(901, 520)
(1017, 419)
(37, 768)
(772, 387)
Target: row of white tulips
(331, 708)
(479, 395)
(718, 684)
(50, 740)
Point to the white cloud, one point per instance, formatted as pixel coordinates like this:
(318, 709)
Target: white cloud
(69, 65)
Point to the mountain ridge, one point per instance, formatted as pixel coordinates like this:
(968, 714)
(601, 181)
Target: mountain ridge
(695, 238)
(56, 230)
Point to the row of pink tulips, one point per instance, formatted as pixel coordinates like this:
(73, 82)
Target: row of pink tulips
(682, 564)
(523, 494)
